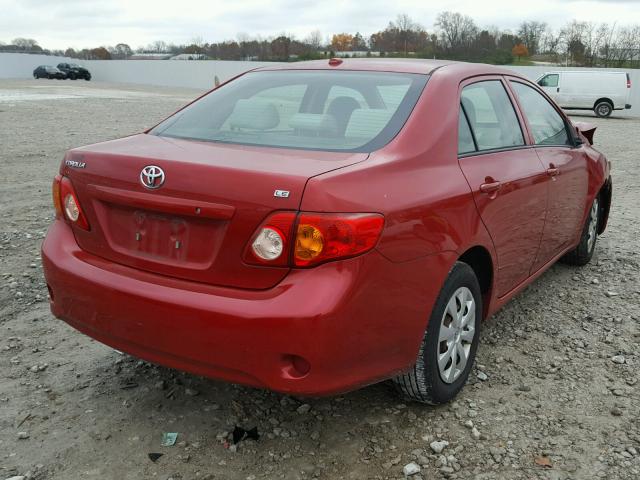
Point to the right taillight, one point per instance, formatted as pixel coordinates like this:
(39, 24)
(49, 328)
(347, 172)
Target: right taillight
(308, 239)
(66, 204)
(270, 244)
(321, 237)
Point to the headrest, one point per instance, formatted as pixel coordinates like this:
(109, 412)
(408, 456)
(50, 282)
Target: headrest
(367, 122)
(254, 114)
(318, 123)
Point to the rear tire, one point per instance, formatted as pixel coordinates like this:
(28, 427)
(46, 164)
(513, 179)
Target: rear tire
(603, 109)
(581, 255)
(452, 337)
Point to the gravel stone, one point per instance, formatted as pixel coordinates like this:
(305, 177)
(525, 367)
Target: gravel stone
(438, 445)
(411, 469)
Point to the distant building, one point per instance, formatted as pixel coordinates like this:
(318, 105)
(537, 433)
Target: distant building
(354, 54)
(190, 56)
(150, 56)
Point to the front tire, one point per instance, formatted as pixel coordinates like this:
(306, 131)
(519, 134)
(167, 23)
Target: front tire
(603, 109)
(449, 345)
(581, 255)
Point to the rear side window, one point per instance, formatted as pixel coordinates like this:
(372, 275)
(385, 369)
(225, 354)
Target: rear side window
(491, 115)
(547, 125)
(465, 138)
(550, 80)
(313, 110)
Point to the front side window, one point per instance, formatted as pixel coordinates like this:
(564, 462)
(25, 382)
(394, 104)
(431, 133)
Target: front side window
(550, 80)
(491, 115)
(317, 110)
(547, 125)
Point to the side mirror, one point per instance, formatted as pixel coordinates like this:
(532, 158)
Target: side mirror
(577, 139)
(586, 130)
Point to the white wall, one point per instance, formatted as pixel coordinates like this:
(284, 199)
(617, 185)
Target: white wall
(20, 65)
(171, 73)
(201, 74)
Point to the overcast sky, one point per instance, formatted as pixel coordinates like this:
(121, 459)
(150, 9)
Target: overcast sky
(58, 24)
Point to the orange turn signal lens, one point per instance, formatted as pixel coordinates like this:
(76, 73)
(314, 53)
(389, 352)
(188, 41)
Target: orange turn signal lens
(55, 191)
(309, 242)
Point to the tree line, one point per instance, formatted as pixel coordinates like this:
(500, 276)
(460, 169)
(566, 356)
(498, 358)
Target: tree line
(455, 36)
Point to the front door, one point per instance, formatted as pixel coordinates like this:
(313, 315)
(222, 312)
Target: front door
(506, 176)
(565, 166)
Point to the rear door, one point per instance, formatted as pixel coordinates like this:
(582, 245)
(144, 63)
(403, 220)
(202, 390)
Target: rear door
(505, 175)
(565, 165)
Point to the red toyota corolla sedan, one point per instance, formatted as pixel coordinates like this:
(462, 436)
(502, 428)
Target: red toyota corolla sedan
(320, 226)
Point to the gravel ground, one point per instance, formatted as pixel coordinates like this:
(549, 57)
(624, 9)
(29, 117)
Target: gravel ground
(554, 394)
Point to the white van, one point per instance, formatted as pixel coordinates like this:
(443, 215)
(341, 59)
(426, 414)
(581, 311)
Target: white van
(601, 92)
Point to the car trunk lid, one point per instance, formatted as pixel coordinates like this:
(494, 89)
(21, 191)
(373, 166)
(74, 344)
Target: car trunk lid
(197, 224)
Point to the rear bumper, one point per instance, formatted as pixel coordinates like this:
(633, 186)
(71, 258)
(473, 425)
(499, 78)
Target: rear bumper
(355, 322)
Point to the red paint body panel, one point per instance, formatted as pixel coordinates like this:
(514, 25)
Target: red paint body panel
(231, 185)
(355, 321)
(515, 213)
(200, 308)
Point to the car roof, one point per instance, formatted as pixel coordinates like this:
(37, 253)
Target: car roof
(586, 72)
(398, 65)
(401, 65)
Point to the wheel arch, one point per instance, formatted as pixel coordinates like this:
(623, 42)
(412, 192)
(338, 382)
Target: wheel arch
(481, 262)
(605, 195)
(603, 99)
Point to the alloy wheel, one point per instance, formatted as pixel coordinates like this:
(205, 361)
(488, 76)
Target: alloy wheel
(457, 330)
(593, 225)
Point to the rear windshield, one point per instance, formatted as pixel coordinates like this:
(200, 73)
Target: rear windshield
(317, 110)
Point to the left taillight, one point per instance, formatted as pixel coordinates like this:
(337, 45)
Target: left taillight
(66, 203)
(307, 239)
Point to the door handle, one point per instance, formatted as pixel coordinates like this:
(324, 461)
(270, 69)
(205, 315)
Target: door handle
(558, 90)
(553, 171)
(490, 187)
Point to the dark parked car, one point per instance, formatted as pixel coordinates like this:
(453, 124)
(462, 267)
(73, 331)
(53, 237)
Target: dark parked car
(73, 71)
(316, 227)
(47, 71)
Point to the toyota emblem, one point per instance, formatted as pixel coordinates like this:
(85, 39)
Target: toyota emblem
(152, 176)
